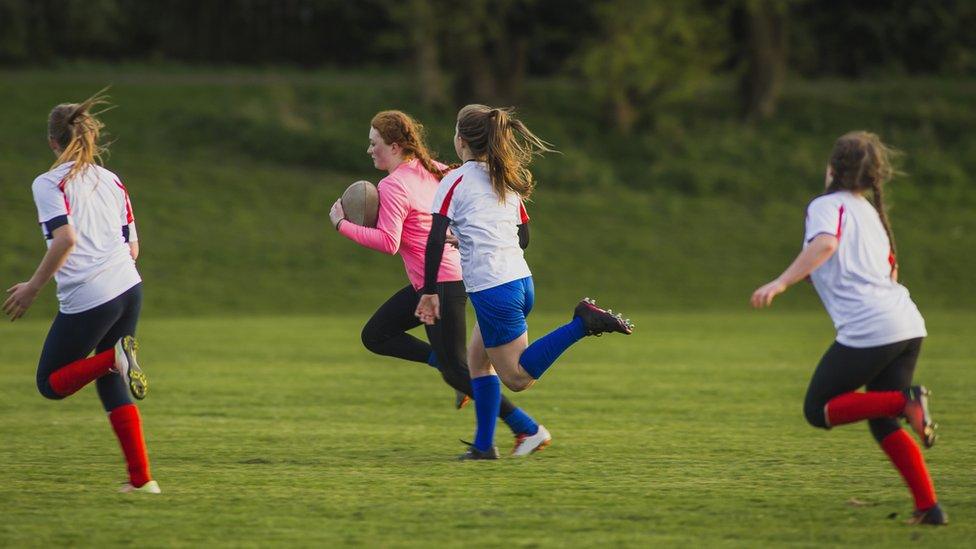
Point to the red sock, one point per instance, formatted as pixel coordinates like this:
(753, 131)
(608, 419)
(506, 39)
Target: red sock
(128, 428)
(67, 380)
(854, 406)
(907, 458)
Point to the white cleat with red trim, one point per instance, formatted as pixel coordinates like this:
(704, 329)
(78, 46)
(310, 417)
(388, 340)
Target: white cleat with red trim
(528, 444)
(151, 487)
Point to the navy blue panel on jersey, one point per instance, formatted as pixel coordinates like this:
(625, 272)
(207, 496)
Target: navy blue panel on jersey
(50, 225)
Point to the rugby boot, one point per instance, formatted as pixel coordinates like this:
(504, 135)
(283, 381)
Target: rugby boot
(529, 444)
(127, 367)
(460, 400)
(474, 453)
(917, 414)
(933, 516)
(151, 487)
(597, 321)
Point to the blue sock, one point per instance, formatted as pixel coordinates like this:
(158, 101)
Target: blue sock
(539, 356)
(521, 423)
(432, 360)
(487, 399)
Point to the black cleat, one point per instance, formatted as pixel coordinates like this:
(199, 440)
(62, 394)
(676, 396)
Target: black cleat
(933, 516)
(917, 414)
(474, 453)
(596, 321)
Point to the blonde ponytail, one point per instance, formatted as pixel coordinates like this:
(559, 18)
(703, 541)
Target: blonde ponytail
(75, 129)
(505, 144)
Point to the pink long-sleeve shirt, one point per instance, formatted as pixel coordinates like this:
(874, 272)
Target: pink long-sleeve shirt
(404, 222)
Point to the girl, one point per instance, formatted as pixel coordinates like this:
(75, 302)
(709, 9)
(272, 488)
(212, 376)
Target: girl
(396, 144)
(86, 217)
(849, 254)
(482, 203)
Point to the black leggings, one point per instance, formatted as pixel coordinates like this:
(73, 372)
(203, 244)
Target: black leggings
(73, 336)
(844, 369)
(386, 334)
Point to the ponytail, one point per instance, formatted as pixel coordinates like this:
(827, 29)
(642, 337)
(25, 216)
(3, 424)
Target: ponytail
(505, 144)
(861, 162)
(75, 129)
(877, 199)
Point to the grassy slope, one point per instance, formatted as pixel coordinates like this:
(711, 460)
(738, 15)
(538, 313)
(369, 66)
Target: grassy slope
(279, 430)
(232, 174)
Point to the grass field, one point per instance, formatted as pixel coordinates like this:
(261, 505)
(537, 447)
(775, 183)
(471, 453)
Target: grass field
(272, 430)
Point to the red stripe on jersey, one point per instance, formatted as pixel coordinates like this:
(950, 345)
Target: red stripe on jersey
(128, 205)
(891, 259)
(67, 205)
(523, 215)
(447, 198)
(840, 220)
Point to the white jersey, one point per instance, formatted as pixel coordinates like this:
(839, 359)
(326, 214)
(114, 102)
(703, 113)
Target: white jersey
(868, 308)
(94, 202)
(486, 228)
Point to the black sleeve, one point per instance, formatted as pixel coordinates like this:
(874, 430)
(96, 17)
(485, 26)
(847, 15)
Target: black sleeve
(435, 252)
(523, 232)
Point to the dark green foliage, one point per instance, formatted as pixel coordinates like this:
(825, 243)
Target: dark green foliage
(826, 37)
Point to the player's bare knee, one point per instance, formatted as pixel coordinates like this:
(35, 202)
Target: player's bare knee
(519, 382)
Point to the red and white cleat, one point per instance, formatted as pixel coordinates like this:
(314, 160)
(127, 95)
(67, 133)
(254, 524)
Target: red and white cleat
(528, 444)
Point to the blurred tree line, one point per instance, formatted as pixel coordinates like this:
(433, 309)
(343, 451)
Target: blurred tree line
(631, 54)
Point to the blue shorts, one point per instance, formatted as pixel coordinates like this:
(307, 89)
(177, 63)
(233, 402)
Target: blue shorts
(501, 310)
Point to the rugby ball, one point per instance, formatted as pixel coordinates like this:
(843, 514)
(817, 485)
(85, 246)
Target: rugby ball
(361, 203)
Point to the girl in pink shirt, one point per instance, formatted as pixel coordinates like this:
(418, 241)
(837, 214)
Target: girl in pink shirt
(397, 146)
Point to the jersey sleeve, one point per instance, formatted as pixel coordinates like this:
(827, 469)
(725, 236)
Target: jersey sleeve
(444, 197)
(126, 217)
(53, 208)
(393, 210)
(823, 217)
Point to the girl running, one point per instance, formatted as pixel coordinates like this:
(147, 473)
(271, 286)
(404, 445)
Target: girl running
(86, 217)
(482, 202)
(396, 144)
(849, 254)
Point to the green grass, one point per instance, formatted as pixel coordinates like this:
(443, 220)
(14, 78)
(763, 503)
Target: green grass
(232, 174)
(283, 431)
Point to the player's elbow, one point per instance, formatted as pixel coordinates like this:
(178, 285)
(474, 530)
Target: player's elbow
(66, 241)
(827, 243)
(389, 245)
